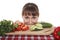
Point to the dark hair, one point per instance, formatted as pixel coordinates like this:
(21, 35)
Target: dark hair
(30, 9)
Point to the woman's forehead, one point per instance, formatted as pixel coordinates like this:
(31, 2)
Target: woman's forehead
(30, 13)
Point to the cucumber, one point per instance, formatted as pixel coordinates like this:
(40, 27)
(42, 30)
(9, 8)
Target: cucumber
(39, 26)
(36, 27)
(46, 25)
(32, 27)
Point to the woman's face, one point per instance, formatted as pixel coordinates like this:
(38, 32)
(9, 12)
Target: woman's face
(30, 20)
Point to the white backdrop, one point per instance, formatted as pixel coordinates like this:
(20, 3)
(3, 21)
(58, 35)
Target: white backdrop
(49, 10)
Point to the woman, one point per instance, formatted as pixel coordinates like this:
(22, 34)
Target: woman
(30, 14)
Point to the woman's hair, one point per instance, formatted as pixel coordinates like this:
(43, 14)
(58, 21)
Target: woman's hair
(30, 9)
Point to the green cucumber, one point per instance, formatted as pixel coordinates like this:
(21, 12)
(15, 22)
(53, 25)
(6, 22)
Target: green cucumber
(46, 25)
(36, 27)
(39, 26)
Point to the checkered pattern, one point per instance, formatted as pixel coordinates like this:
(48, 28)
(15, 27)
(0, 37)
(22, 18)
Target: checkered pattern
(27, 37)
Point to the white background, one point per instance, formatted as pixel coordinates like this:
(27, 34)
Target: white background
(49, 10)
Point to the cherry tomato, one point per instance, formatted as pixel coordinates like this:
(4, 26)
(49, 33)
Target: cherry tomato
(18, 28)
(25, 28)
(21, 26)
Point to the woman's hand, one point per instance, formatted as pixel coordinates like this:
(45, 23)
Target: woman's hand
(18, 22)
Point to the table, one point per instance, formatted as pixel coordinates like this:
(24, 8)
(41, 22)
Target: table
(27, 37)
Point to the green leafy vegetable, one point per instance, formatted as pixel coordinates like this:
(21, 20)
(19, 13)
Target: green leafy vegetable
(6, 26)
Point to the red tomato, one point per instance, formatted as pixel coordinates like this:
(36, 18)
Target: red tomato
(25, 28)
(18, 28)
(21, 26)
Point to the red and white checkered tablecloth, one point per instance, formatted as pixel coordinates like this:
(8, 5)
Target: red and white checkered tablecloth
(27, 37)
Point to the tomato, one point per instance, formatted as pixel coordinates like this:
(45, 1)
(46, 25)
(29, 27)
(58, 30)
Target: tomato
(25, 28)
(21, 26)
(18, 28)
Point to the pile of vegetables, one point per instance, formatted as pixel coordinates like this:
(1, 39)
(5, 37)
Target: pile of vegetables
(6, 26)
(21, 27)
